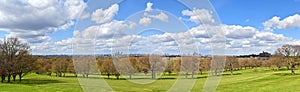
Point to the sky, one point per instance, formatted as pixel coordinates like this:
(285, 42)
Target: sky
(207, 27)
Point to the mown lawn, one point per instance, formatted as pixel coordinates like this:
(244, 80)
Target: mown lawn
(250, 80)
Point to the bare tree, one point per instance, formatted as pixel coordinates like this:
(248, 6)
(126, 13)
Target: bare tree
(156, 65)
(290, 52)
(12, 52)
(230, 63)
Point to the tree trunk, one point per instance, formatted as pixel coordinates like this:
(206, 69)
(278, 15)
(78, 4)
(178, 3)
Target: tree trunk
(20, 77)
(231, 69)
(201, 72)
(8, 77)
(293, 69)
(153, 74)
(108, 75)
(14, 77)
(193, 73)
(2, 78)
(186, 74)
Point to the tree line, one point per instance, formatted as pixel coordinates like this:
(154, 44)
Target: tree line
(16, 61)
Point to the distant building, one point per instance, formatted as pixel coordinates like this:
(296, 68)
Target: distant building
(261, 56)
(264, 56)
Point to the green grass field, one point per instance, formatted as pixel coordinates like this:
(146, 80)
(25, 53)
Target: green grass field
(250, 80)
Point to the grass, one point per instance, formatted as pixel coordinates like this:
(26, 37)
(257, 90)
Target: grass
(250, 80)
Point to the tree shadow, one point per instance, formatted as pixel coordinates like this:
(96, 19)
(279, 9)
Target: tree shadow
(202, 77)
(227, 74)
(285, 74)
(166, 78)
(36, 81)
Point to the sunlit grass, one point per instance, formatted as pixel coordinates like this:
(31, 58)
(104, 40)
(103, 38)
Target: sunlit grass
(249, 80)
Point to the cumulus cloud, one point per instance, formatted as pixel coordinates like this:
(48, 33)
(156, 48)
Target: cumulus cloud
(199, 16)
(145, 21)
(105, 15)
(287, 23)
(161, 16)
(149, 6)
(38, 17)
(239, 32)
(104, 31)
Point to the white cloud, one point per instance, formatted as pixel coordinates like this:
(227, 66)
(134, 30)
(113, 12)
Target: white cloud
(105, 15)
(38, 17)
(149, 6)
(104, 31)
(161, 16)
(199, 16)
(145, 21)
(287, 23)
(239, 32)
(271, 37)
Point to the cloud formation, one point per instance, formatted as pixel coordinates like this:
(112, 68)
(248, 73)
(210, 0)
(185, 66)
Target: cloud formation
(199, 16)
(149, 15)
(32, 20)
(286, 23)
(105, 15)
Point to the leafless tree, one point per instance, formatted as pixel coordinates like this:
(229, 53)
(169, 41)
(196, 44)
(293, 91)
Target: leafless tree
(13, 54)
(290, 52)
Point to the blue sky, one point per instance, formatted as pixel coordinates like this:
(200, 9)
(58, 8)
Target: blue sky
(255, 12)
(250, 26)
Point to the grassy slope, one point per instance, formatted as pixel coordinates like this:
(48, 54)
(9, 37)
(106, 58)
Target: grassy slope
(243, 81)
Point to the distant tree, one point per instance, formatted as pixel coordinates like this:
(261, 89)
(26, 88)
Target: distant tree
(170, 63)
(144, 64)
(189, 64)
(277, 61)
(85, 65)
(70, 68)
(177, 65)
(204, 64)
(107, 66)
(59, 66)
(125, 66)
(230, 63)
(157, 65)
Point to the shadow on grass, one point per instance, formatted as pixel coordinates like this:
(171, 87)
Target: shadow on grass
(139, 78)
(230, 74)
(36, 81)
(284, 74)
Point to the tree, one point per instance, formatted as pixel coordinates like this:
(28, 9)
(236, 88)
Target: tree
(277, 61)
(85, 65)
(25, 63)
(177, 65)
(189, 64)
(170, 63)
(204, 64)
(12, 53)
(291, 53)
(230, 63)
(107, 66)
(156, 65)
(60, 66)
(144, 64)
